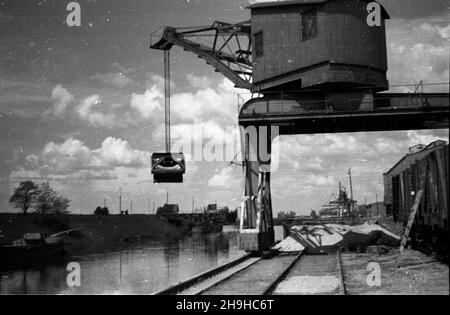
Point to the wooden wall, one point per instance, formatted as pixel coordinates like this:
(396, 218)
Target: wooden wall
(283, 49)
(350, 40)
(427, 171)
(343, 38)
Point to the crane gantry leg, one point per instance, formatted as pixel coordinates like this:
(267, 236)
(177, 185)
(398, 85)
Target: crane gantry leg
(256, 220)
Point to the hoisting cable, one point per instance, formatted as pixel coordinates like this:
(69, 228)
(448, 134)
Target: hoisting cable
(167, 97)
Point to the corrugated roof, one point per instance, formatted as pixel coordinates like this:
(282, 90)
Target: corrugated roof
(300, 2)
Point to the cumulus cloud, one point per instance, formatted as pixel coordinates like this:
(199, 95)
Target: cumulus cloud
(117, 152)
(73, 158)
(227, 177)
(94, 117)
(218, 103)
(320, 180)
(61, 98)
(208, 101)
(148, 102)
(423, 56)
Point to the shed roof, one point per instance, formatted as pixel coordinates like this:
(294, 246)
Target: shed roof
(300, 2)
(433, 145)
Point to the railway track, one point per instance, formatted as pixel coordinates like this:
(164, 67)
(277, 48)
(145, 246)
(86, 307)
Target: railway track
(315, 274)
(272, 273)
(209, 274)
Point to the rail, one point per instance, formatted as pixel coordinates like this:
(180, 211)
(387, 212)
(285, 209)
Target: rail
(236, 271)
(282, 276)
(343, 290)
(174, 289)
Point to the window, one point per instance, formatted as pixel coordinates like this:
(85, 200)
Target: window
(259, 44)
(309, 24)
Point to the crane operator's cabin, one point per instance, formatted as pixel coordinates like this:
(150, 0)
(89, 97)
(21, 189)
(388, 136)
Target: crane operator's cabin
(324, 45)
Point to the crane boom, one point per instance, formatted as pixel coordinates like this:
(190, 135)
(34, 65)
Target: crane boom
(229, 52)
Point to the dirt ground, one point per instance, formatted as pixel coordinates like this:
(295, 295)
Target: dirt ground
(418, 274)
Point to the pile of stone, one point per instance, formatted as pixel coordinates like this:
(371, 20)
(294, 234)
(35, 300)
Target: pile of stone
(331, 237)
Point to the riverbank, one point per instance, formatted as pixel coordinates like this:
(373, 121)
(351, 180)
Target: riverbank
(97, 234)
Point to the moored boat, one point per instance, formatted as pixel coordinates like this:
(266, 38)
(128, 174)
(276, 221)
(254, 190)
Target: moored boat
(34, 249)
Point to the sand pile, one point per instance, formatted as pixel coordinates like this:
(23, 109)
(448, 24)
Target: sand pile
(330, 237)
(290, 244)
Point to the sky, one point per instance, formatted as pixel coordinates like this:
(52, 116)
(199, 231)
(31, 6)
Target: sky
(83, 107)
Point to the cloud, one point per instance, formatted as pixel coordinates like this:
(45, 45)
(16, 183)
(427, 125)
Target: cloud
(423, 137)
(117, 152)
(93, 117)
(198, 82)
(219, 103)
(24, 174)
(414, 9)
(313, 165)
(79, 176)
(423, 56)
(210, 102)
(118, 79)
(213, 103)
(217, 142)
(148, 102)
(61, 98)
(320, 180)
(74, 159)
(227, 178)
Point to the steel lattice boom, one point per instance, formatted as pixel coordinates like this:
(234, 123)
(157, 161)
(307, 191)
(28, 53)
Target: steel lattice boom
(224, 46)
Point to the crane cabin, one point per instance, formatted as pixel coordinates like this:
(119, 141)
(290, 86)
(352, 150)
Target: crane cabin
(325, 45)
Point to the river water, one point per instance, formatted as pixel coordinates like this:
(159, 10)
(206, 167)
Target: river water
(141, 269)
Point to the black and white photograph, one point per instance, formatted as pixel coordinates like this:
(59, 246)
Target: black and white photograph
(245, 150)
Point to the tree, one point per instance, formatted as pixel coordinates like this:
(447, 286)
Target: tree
(281, 215)
(286, 215)
(24, 196)
(313, 214)
(101, 211)
(232, 216)
(49, 201)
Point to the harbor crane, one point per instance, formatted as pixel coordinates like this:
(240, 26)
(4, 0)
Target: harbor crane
(315, 66)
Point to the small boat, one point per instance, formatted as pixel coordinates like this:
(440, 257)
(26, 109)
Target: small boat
(34, 249)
